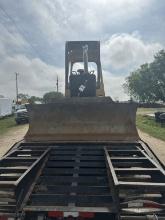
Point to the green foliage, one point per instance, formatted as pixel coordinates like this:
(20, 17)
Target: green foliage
(48, 97)
(148, 125)
(147, 84)
(6, 123)
(158, 70)
(33, 99)
(23, 96)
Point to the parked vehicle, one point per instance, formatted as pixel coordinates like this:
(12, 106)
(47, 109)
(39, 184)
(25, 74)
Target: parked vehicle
(160, 117)
(21, 114)
(5, 107)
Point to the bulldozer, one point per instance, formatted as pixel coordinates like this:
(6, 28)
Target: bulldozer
(85, 114)
(82, 157)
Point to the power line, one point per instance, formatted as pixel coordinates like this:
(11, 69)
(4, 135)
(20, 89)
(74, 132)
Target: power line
(18, 29)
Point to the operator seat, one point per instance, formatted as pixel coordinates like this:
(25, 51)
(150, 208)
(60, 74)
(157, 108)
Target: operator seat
(82, 84)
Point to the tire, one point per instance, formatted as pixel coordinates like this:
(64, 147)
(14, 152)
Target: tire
(18, 122)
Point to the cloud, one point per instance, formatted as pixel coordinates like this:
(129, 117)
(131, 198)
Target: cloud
(35, 76)
(113, 86)
(11, 41)
(35, 45)
(126, 51)
(60, 19)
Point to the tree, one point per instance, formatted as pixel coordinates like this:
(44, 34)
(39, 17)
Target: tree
(158, 67)
(23, 96)
(33, 99)
(49, 96)
(26, 98)
(147, 84)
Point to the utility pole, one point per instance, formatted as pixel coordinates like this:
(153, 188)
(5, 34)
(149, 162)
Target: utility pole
(57, 83)
(16, 83)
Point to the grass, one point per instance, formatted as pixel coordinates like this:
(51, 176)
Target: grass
(148, 125)
(6, 124)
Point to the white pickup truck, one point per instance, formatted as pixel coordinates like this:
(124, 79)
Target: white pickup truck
(21, 114)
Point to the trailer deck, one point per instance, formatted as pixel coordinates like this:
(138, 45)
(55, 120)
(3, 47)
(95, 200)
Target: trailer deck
(122, 178)
(74, 178)
(17, 172)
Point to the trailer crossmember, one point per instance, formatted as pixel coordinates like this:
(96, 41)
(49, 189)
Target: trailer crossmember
(116, 178)
(139, 179)
(18, 170)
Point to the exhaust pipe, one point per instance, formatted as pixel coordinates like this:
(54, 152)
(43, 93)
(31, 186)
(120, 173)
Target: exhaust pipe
(85, 58)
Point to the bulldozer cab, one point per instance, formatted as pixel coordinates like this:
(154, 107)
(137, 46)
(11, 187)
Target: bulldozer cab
(81, 81)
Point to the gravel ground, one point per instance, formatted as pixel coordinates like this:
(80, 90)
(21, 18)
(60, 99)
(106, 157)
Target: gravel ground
(14, 135)
(158, 146)
(17, 133)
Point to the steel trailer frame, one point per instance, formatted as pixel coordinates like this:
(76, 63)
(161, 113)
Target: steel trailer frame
(120, 176)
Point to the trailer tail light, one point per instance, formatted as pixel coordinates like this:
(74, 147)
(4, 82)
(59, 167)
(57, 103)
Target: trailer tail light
(149, 204)
(6, 218)
(87, 214)
(70, 215)
(3, 218)
(55, 214)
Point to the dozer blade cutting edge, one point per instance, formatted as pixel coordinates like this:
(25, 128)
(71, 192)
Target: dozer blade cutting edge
(83, 120)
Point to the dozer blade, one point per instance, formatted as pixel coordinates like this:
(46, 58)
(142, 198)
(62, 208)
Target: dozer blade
(82, 119)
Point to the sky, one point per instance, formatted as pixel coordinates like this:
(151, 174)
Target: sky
(34, 32)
